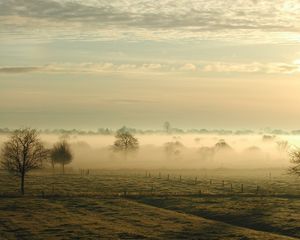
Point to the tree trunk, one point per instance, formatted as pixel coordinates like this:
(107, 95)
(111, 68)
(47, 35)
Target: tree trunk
(22, 183)
(63, 165)
(52, 163)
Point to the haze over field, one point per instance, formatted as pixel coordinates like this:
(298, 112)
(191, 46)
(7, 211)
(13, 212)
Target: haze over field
(247, 151)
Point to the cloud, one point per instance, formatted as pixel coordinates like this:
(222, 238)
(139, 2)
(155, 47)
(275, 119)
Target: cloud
(158, 68)
(15, 70)
(188, 67)
(256, 67)
(162, 19)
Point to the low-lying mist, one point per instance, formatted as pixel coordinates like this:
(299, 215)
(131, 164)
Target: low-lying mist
(185, 151)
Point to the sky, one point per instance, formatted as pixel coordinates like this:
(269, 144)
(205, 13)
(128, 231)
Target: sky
(199, 64)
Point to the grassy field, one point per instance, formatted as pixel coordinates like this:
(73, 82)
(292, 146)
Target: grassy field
(135, 204)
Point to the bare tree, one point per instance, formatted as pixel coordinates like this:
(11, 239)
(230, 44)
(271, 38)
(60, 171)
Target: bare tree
(167, 127)
(282, 146)
(22, 153)
(125, 142)
(206, 153)
(222, 146)
(61, 154)
(295, 159)
(173, 149)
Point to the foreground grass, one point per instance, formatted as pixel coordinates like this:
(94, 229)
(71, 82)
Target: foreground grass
(164, 205)
(92, 218)
(271, 214)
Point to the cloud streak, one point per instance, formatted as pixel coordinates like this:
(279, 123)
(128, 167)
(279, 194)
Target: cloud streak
(158, 68)
(167, 19)
(16, 70)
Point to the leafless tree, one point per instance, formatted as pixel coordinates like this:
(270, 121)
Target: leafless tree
(295, 159)
(61, 154)
(167, 127)
(282, 146)
(173, 149)
(206, 153)
(222, 146)
(22, 153)
(125, 142)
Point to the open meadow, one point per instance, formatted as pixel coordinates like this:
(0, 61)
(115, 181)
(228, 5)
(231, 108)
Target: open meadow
(156, 204)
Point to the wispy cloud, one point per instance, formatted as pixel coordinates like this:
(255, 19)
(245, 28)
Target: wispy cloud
(15, 70)
(260, 20)
(147, 68)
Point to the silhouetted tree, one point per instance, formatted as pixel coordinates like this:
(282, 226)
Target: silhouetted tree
(173, 149)
(295, 159)
(206, 153)
(222, 145)
(22, 153)
(167, 127)
(125, 142)
(268, 138)
(282, 146)
(61, 154)
(253, 149)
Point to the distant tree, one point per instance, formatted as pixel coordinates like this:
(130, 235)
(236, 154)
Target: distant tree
(22, 153)
(206, 153)
(253, 149)
(167, 127)
(173, 149)
(282, 146)
(295, 159)
(222, 145)
(52, 162)
(125, 142)
(268, 138)
(61, 154)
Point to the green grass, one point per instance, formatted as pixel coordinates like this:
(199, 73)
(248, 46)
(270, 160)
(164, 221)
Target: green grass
(93, 218)
(272, 214)
(94, 206)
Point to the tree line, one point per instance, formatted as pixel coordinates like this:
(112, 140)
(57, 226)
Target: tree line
(24, 152)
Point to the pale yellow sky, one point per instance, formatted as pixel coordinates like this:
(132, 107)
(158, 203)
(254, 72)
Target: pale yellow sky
(198, 64)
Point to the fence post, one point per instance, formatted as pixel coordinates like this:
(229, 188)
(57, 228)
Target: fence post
(242, 188)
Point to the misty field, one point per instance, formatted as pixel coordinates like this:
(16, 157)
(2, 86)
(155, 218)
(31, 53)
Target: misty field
(157, 204)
